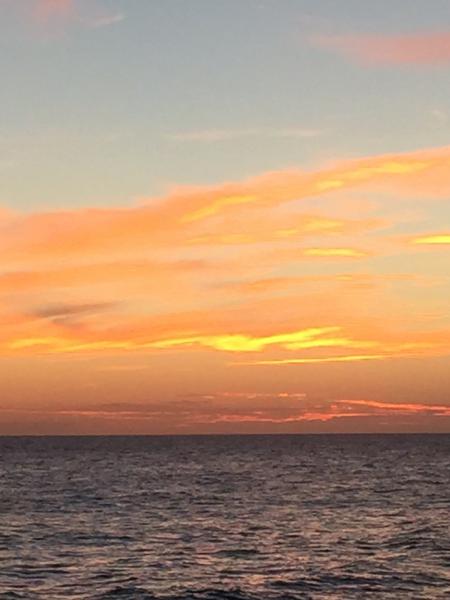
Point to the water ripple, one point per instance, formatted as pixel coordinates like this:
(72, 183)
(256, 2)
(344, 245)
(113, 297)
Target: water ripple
(225, 518)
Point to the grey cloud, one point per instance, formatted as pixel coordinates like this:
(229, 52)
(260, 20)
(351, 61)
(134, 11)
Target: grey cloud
(67, 312)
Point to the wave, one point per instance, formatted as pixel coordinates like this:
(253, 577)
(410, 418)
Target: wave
(134, 593)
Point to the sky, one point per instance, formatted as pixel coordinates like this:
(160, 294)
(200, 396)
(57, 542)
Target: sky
(224, 217)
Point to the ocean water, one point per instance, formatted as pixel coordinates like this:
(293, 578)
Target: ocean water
(225, 517)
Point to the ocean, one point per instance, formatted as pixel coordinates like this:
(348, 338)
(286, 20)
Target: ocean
(225, 517)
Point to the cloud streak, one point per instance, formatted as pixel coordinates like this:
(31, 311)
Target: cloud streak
(49, 14)
(420, 49)
(283, 409)
(434, 239)
(105, 20)
(60, 338)
(224, 135)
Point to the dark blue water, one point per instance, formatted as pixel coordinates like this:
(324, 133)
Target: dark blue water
(235, 517)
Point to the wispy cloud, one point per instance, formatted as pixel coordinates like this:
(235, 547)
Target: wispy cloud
(349, 280)
(105, 20)
(429, 48)
(180, 216)
(317, 360)
(154, 274)
(224, 135)
(69, 314)
(329, 411)
(62, 13)
(439, 115)
(211, 135)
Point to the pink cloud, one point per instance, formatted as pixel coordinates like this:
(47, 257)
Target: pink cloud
(298, 409)
(412, 49)
(64, 12)
(49, 9)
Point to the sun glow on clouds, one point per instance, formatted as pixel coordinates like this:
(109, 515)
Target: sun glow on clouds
(335, 252)
(190, 213)
(432, 240)
(240, 274)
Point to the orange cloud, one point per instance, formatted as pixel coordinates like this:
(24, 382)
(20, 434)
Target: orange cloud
(409, 49)
(177, 219)
(174, 281)
(148, 273)
(281, 228)
(216, 207)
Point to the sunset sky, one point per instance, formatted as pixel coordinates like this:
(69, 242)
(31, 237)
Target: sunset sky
(224, 216)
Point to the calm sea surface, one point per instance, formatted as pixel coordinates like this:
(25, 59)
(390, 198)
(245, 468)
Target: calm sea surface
(233, 517)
